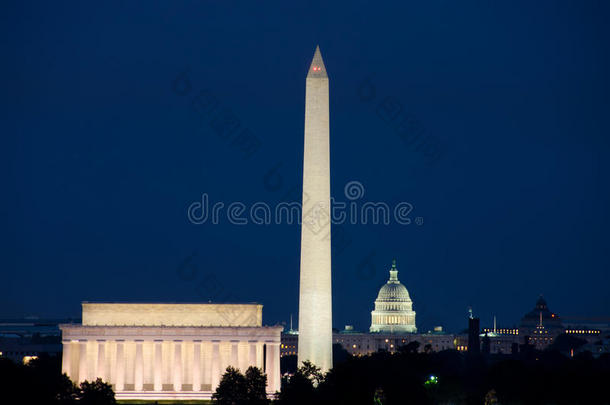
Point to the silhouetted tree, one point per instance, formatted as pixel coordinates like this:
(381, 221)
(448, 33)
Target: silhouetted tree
(256, 386)
(411, 347)
(339, 354)
(51, 383)
(300, 387)
(565, 343)
(232, 389)
(534, 377)
(378, 397)
(38, 382)
(491, 398)
(288, 364)
(309, 370)
(96, 393)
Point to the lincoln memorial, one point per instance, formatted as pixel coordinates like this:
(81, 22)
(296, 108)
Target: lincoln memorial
(169, 351)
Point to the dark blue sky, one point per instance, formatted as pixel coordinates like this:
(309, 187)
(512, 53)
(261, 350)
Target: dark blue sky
(101, 158)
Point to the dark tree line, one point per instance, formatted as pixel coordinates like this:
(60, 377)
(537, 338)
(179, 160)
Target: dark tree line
(450, 377)
(408, 376)
(41, 382)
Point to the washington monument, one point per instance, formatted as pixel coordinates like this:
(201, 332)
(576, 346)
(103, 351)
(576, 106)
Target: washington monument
(315, 298)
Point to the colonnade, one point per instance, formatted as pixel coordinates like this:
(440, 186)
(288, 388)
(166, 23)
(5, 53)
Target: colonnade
(167, 365)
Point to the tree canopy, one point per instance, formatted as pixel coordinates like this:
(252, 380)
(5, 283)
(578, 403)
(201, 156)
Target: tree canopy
(236, 388)
(40, 381)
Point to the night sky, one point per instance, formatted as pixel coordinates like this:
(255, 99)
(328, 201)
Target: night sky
(102, 153)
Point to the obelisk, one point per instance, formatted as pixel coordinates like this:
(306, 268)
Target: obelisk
(315, 298)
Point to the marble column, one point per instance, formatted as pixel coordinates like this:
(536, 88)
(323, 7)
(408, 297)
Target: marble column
(252, 353)
(177, 365)
(273, 367)
(119, 379)
(235, 354)
(243, 356)
(139, 367)
(82, 360)
(276, 367)
(197, 365)
(66, 358)
(158, 365)
(206, 361)
(101, 359)
(215, 364)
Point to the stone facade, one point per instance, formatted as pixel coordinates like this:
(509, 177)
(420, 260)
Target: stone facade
(171, 361)
(361, 344)
(172, 314)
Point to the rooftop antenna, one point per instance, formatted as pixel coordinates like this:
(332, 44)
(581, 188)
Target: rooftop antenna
(470, 313)
(290, 322)
(494, 324)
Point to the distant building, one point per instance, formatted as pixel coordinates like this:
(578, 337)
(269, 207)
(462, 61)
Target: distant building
(500, 331)
(501, 343)
(540, 325)
(24, 339)
(359, 344)
(393, 311)
(393, 326)
(362, 343)
(501, 340)
(594, 330)
(289, 344)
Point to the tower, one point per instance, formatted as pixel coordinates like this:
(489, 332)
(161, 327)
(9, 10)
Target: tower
(474, 344)
(315, 301)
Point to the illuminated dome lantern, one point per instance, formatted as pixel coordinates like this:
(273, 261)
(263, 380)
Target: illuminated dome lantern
(393, 308)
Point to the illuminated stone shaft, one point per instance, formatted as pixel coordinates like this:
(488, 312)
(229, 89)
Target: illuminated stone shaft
(315, 300)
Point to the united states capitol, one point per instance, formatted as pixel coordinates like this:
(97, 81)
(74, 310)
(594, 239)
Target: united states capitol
(393, 328)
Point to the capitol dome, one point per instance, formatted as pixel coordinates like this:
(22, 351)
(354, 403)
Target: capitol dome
(393, 307)
(393, 292)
